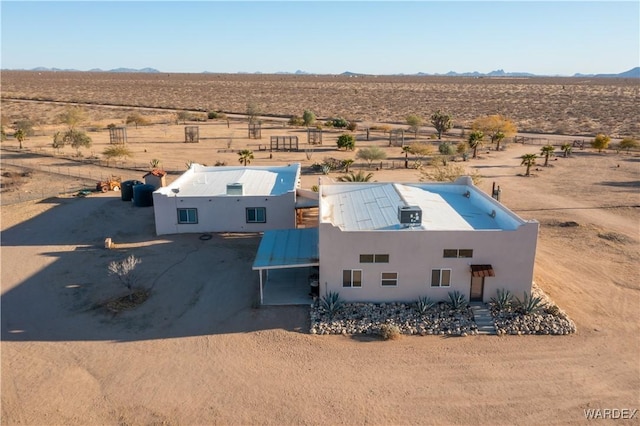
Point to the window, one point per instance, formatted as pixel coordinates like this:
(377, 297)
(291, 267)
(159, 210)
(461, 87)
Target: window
(374, 258)
(351, 278)
(389, 279)
(256, 215)
(440, 277)
(187, 215)
(457, 253)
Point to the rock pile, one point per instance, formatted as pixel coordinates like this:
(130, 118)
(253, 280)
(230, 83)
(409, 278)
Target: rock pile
(366, 318)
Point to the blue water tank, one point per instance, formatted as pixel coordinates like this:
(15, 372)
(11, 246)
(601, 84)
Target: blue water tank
(126, 192)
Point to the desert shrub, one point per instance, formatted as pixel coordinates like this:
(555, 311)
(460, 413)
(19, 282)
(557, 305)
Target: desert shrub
(308, 117)
(124, 270)
(137, 119)
(529, 304)
(26, 126)
(331, 303)
(445, 148)
(352, 126)
(296, 121)
(339, 122)
(552, 310)
(220, 163)
(423, 305)
(332, 163)
(503, 300)
(600, 142)
(389, 332)
(213, 115)
(457, 300)
(384, 128)
(346, 141)
(315, 188)
(449, 173)
(371, 154)
(117, 151)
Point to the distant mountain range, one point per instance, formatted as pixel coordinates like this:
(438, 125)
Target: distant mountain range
(632, 73)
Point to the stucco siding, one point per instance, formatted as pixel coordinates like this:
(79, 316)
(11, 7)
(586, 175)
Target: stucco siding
(414, 253)
(223, 213)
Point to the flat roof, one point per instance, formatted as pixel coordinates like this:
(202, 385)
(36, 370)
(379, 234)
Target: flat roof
(287, 248)
(212, 181)
(445, 207)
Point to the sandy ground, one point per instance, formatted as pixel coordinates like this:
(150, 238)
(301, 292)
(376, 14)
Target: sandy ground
(199, 352)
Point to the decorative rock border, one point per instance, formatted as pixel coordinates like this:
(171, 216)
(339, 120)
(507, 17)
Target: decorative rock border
(548, 320)
(366, 318)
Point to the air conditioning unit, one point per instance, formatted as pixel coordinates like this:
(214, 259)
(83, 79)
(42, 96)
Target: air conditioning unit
(410, 215)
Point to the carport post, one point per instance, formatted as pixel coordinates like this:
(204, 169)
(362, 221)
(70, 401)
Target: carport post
(260, 270)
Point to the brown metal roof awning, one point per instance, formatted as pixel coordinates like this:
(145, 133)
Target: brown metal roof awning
(482, 271)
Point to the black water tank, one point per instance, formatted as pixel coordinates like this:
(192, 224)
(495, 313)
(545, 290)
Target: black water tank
(126, 192)
(143, 195)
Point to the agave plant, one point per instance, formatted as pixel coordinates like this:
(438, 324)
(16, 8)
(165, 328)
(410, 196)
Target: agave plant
(423, 304)
(529, 304)
(503, 301)
(331, 303)
(457, 300)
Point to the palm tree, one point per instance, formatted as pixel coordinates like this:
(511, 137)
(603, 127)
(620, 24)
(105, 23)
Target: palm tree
(528, 160)
(566, 149)
(475, 141)
(546, 152)
(246, 155)
(356, 177)
(406, 150)
(346, 163)
(20, 135)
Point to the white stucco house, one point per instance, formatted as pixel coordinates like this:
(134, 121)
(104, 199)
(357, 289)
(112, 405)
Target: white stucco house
(228, 199)
(382, 242)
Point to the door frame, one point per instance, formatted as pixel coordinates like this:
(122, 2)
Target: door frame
(481, 298)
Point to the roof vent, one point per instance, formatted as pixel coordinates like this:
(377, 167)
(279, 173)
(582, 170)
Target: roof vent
(409, 215)
(235, 189)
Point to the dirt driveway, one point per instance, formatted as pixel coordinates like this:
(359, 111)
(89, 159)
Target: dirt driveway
(198, 353)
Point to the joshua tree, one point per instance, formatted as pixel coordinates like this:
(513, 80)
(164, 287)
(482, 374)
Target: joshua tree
(475, 141)
(20, 135)
(246, 155)
(528, 160)
(356, 177)
(566, 149)
(442, 122)
(546, 152)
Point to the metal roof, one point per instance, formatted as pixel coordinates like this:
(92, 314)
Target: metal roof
(287, 248)
(212, 181)
(374, 206)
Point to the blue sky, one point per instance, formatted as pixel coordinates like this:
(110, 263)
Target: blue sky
(548, 38)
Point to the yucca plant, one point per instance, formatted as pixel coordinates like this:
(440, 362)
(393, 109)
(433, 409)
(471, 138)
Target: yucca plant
(529, 304)
(155, 163)
(331, 303)
(457, 300)
(423, 304)
(503, 301)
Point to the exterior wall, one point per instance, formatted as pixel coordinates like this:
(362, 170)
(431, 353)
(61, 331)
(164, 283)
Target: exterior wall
(414, 253)
(223, 213)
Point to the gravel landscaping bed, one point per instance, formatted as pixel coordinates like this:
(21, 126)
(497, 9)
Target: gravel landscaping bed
(549, 319)
(368, 318)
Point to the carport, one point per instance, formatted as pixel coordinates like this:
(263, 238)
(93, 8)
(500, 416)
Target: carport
(284, 261)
